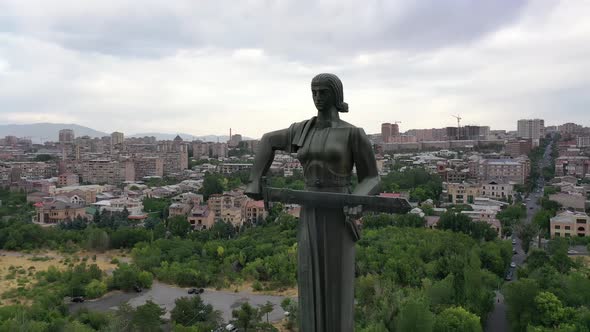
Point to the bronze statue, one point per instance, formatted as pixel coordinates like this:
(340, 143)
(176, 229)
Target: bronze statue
(328, 149)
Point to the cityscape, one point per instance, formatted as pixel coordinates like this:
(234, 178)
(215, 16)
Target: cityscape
(465, 174)
(294, 166)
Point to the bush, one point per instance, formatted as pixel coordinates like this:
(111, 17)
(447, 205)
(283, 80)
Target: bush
(145, 279)
(95, 289)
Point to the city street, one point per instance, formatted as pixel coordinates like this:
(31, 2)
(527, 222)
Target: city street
(497, 320)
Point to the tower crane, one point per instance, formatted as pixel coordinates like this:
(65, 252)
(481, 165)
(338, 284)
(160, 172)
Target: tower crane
(458, 117)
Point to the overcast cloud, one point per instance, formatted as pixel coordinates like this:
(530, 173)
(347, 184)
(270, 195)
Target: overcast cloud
(202, 67)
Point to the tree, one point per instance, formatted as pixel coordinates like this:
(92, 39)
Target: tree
(246, 317)
(151, 222)
(193, 311)
(541, 219)
(125, 277)
(95, 289)
(147, 317)
(414, 315)
(266, 309)
(179, 226)
(519, 296)
(98, 240)
(527, 232)
(549, 308)
(292, 309)
(456, 319)
(212, 184)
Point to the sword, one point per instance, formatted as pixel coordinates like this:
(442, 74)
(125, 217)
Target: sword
(335, 200)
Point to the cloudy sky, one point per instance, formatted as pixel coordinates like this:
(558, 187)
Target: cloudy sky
(201, 67)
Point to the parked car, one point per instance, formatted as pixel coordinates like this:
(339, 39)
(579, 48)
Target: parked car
(137, 289)
(508, 277)
(196, 291)
(512, 264)
(78, 299)
(513, 241)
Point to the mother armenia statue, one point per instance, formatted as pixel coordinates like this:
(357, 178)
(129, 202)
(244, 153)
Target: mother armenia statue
(328, 149)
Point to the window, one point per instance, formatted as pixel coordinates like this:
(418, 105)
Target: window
(581, 221)
(557, 234)
(557, 227)
(567, 227)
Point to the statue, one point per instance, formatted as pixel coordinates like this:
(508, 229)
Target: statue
(328, 149)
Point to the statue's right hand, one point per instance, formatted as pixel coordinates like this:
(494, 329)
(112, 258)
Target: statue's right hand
(254, 191)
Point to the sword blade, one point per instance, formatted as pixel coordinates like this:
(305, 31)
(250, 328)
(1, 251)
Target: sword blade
(336, 200)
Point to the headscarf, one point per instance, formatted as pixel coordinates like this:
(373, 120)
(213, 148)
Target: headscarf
(335, 84)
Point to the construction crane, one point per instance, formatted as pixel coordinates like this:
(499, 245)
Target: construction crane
(458, 117)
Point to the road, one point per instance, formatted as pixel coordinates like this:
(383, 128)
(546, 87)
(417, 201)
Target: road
(497, 320)
(165, 295)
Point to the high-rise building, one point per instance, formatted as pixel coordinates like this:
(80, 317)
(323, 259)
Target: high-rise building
(531, 128)
(66, 136)
(117, 138)
(388, 131)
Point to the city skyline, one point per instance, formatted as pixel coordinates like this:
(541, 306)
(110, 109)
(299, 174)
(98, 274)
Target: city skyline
(172, 68)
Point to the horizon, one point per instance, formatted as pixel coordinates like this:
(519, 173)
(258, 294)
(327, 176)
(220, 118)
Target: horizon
(181, 68)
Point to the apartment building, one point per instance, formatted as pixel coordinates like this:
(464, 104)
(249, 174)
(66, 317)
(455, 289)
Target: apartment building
(68, 179)
(201, 218)
(568, 224)
(253, 211)
(106, 171)
(229, 168)
(504, 170)
(148, 166)
(578, 166)
(531, 128)
(497, 190)
(516, 148)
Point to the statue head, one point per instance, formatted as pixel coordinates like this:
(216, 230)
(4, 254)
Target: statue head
(327, 91)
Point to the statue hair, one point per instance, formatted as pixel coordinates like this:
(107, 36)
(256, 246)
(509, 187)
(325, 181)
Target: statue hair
(335, 84)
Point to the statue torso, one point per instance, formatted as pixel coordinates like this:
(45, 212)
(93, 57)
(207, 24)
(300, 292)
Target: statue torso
(326, 158)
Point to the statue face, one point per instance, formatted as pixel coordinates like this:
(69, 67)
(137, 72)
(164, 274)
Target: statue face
(323, 98)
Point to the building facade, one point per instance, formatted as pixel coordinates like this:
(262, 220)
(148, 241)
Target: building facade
(569, 224)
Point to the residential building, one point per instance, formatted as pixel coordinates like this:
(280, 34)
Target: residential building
(229, 168)
(516, 148)
(106, 171)
(575, 201)
(577, 166)
(55, 211)
(583, 142)
(570, 128)
(148, 166)
(179, 209)
(66, 136)
(531, 128)
(504, 170)
(568, 223)
(68, 179)
(87, 193)
(462, 193)
(497, 190)
(134, 206)
(201, 218)
(117, 138)
(254, 211)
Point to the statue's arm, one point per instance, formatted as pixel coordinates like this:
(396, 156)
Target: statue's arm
(265, 154)
(366, 165)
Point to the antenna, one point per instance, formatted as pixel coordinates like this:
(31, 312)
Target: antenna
(458, 117)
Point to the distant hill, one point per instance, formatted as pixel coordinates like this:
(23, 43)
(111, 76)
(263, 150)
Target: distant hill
(41, 132)
(187, 137)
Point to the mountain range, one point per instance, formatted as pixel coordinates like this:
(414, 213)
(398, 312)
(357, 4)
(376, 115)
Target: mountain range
(43, 132)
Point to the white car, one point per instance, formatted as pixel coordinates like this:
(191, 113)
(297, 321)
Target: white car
(512, 264)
